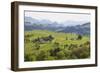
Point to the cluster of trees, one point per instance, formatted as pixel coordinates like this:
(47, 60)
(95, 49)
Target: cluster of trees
(79, 37)
(49, 38)
(59, 52)
(43, 39)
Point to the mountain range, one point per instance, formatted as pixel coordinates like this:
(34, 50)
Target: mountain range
(66, 27)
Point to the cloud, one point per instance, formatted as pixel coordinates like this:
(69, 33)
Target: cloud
(58, 17)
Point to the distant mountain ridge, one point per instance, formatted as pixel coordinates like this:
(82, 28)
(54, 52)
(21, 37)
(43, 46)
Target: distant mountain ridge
(78, 28)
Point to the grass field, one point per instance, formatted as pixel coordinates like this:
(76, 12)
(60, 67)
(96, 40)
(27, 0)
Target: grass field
(41, 45)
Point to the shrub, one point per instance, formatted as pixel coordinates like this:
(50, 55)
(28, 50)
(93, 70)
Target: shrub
(60, 55)
(66, 38)
(42, 55)
(53, 52)
(37, 46)
(65, 46)
(29, 57)
(79, 37)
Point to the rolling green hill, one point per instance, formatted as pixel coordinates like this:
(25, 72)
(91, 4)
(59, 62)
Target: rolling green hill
(41, 45)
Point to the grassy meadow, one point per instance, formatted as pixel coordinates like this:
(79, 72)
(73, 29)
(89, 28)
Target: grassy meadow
(41, 45)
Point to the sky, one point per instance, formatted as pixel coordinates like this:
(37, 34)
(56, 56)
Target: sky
(58, 17)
